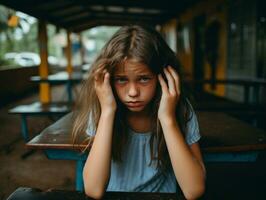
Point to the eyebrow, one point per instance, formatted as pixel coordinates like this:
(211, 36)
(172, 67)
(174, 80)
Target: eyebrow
(139, 75)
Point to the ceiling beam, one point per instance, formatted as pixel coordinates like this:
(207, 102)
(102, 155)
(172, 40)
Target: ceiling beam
(94, 23)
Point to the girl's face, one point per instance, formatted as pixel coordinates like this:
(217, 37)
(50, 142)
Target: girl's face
(135, 85)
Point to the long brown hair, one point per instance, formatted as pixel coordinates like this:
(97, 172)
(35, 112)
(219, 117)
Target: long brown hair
(143, 45)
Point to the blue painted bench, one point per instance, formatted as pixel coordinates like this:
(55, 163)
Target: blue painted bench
(39, 109)
(61, 78)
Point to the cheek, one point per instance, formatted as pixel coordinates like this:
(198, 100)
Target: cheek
(119, 91)
(151, 90)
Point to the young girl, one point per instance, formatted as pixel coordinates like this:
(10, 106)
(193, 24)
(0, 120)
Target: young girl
(144, 130)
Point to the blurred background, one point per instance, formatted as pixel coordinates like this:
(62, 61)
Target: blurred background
(47, 47)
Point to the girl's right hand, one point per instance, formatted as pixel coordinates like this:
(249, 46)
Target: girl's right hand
(104, 90)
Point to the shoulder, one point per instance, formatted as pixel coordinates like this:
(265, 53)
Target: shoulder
(192, 128)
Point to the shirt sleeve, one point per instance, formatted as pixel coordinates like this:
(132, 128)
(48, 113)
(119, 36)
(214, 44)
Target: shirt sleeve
(90, 130)
(192, 134)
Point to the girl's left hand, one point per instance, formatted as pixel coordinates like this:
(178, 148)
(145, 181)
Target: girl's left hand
(170, 94)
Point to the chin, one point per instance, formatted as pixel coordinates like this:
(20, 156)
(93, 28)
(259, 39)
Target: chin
(137, 109)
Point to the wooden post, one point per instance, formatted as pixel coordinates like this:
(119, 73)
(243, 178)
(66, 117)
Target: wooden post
(81, 50)
(69, 54)
(45, 93)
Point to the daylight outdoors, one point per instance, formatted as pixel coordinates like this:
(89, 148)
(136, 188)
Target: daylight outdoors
(19, 47)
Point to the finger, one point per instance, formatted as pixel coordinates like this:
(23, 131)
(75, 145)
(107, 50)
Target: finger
(170, 80)
(99, 73)
(104, 71)
(99, 70)
(100, 79)
(176, 78)
(162, 83)
(106, 78)
(96, 76)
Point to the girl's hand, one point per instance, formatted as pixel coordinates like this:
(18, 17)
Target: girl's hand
(104, 90)
(170, 94)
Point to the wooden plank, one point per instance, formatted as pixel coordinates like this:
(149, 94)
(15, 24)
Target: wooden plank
(58, 136)
(220, 133)
(55, 141)
(227, 106)
(60, 77)
(37, 108)
(234, 81)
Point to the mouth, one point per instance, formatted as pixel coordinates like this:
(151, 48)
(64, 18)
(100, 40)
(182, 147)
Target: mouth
(134, 104)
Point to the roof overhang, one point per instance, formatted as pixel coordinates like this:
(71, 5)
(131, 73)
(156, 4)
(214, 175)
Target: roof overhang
(79, 15)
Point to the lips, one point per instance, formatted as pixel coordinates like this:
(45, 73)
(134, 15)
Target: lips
(134, 104)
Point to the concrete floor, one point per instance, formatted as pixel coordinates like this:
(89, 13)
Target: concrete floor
(36, 170)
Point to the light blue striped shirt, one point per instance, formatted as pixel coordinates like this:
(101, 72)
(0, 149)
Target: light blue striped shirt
(134, 172)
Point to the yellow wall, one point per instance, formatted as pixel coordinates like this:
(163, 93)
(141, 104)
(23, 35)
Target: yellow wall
(213, 10)
(221, 64)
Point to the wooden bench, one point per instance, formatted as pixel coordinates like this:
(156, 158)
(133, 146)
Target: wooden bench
(222, 133)
(249, 112)
(224, 139)
(62, 78)
(247, 84)
(59, 78)
(39, 109)
(37, 194)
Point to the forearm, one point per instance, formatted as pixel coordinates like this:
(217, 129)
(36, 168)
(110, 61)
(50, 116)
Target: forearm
(189, 172)
(96, 171)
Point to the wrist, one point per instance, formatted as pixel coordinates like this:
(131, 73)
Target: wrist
(108, 111)
(167, 120)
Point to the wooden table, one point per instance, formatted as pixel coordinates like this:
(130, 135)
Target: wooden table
(39, 109)
(224, 139)
(36, 194)
(62, 78)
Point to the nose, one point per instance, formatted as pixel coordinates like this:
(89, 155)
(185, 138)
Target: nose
(133, 90)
